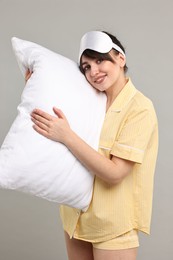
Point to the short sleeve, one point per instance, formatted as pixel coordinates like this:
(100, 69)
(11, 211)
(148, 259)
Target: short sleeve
(133, 139)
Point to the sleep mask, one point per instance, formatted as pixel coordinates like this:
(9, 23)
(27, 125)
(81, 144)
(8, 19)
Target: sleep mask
(97, 41)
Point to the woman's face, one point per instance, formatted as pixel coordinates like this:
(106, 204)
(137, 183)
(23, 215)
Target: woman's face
(103, 74)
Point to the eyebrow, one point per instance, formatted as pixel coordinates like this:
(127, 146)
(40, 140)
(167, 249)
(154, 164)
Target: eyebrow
(84, 63)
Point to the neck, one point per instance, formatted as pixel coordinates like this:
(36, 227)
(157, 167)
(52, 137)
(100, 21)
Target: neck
(114, 90)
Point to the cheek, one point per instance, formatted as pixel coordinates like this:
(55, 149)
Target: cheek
(90, 82)
(87, 78)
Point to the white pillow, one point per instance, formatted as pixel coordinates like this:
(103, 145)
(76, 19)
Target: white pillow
(34, 164)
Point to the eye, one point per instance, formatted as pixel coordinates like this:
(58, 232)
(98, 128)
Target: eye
(98, 61)
(86, 68)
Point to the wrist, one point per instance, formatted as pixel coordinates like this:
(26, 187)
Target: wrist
(69, 138)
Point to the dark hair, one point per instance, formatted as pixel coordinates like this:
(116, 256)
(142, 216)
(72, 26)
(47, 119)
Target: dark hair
(103, 56)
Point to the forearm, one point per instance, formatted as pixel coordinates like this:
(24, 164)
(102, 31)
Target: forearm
(109, 171)
(57, 129)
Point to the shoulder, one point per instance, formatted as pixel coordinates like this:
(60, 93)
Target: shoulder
(140, 100)
(140, 106)
(141, 103)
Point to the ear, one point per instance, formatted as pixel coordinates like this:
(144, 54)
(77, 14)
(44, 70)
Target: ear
(122, 60)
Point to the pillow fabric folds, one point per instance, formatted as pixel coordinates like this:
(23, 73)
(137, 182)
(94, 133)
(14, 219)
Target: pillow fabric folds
(33, 164)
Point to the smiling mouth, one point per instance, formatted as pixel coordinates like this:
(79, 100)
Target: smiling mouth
(99, 79)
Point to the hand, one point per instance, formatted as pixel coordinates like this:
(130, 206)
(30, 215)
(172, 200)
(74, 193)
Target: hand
(28, 75)
(54, 128)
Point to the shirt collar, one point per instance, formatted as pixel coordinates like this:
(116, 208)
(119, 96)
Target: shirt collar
(124, 97)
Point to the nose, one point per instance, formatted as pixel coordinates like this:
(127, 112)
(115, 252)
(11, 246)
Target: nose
(94, 70)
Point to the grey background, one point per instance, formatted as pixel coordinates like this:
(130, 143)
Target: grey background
(30, 228)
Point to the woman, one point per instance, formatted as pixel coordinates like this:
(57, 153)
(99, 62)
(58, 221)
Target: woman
(123, 166)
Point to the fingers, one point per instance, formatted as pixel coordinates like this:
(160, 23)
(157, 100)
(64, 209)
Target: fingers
(40, 130)
(41, 120)
(59, 113)
(28, 75)
(41, 115)
(52, 127)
